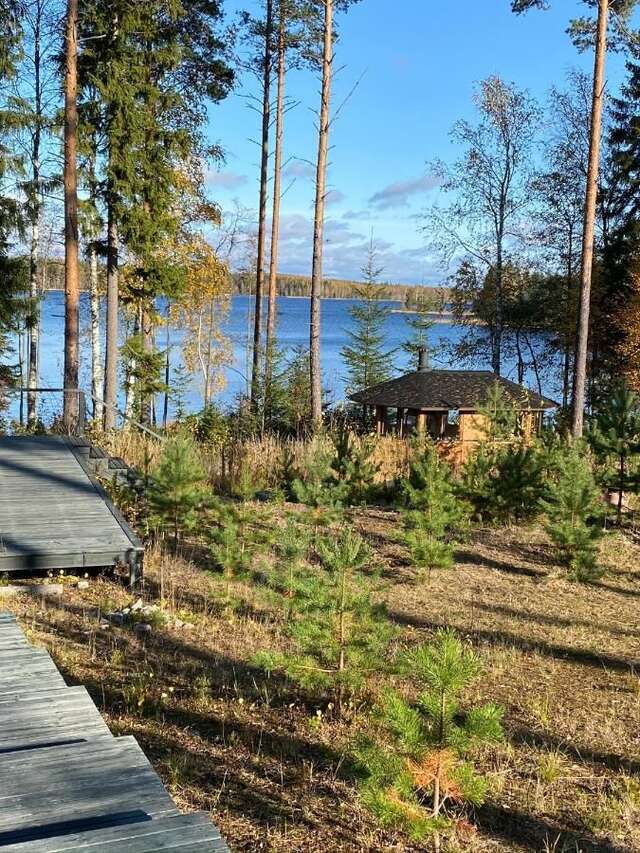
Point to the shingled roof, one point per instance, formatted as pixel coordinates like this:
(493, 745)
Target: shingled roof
(446, 389)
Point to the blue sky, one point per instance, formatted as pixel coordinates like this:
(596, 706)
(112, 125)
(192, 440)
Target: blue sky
(417, 62)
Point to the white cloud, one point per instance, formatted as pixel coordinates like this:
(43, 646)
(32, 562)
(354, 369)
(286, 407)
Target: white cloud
(226, 180)
(398, 193)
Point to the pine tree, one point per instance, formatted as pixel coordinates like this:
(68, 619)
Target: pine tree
(572, 511)
(227, 534)
(338, 632)
(416, 774)
(352, 468)
(367, 359)
(615, 437)
(178, 489)
(434, 512)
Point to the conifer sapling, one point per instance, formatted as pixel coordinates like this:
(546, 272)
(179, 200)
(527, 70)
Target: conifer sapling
(416, 771)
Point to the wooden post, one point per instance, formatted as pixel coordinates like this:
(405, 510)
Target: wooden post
(400, 422)
(380, 420)
(421, 422)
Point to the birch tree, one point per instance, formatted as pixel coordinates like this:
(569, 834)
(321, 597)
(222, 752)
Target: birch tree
(491, 185)
(34, 100)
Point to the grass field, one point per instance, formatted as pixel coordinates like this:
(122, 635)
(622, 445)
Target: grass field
(271, 765)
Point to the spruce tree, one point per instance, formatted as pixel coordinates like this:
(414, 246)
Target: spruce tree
(178, 488)
(434, 512)
(421, 305)
(615, 437)
(339, 634)
(416, 773)
(572, 510)
(367, 358)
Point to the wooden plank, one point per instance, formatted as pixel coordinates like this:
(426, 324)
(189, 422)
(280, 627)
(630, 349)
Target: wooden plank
(186, 833)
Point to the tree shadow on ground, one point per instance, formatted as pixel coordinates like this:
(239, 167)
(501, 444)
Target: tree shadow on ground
(464, 555)
(552, 620)
(536, 834)
(506, 638)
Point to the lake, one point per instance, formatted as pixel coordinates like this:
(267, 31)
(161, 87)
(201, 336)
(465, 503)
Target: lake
(293, 330)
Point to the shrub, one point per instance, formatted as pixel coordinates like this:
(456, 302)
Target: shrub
(416, 772)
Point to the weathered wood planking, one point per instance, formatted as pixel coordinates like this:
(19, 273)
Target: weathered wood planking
(53, 513)
(69, 785)
(192, 832)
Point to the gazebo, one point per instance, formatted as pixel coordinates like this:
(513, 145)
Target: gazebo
(445, 403)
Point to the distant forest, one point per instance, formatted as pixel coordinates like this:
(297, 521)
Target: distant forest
(288, 285)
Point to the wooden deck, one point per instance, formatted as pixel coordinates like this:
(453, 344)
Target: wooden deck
(67, 783)
(53, 512)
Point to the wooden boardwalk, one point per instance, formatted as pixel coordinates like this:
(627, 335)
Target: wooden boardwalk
(53, 512)
(67, 783)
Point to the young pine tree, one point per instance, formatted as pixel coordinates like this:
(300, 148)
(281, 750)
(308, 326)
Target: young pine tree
(416, 773)
(339, 634)
(615, 438)
(572, 509)
(227, 535)
(177, 488)
(353, 467)
(434, 511)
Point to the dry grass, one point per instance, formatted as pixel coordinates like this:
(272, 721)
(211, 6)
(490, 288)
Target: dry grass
(262, 459)
(562, 659)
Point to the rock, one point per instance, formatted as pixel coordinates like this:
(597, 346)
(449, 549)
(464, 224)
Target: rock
(104, 624)
(115, 618)
(142, 628)
(83, 584)
(138, 605)
(187, 626)
(178, 623)
(150, 608)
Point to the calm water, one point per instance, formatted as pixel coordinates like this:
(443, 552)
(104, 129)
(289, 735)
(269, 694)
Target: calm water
(293, 329)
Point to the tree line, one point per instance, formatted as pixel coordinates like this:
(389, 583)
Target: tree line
(104, 129)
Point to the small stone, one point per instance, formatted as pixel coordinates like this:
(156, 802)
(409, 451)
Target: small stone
(178, 623)
(115, 618)
(137, 606)
(150, 608)
(187, 626)
(142, 628)
(83, 584)
(104, 623)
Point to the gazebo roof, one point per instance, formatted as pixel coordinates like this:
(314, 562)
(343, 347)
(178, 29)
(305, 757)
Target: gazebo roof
(441, 390)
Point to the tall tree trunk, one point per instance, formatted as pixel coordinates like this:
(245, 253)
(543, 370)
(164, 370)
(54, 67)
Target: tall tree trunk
(318, 227)
(34, 328)
(262, 213)
(275, 214)
(96, 355)
(580, 370)
(71, 265)
(111, 336)
(34, 209)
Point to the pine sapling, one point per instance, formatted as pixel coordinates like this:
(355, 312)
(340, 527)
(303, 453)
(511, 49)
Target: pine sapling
(177, 489)
(434, 512)
(338, 632)
(228, 544)
(416, 769)
(572, 509)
